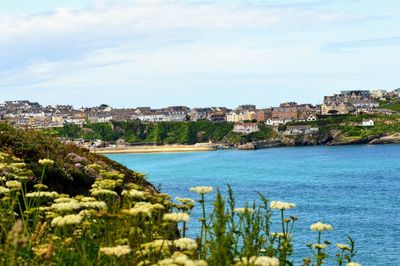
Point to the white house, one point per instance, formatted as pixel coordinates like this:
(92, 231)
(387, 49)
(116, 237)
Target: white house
(367, 123)
(245, 128)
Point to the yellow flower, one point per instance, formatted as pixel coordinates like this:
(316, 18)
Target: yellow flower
(42, 194)
(116, 251)
(46, 162)
(353, 264)
(201, 190)
(282, 205)
(321, 227)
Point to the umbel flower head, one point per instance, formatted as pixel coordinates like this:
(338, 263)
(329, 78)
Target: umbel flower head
(280, 205)
(321, 227)
(71, 219)
(342, 246)
(13, 184)
(46, 162)
(353, 264)
(185, 244)
(176, 217)
(244, 210)
(257, 261)
(116, 251)
(201, 190)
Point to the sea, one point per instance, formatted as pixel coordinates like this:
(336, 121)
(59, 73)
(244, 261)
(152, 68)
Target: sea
(354, 188)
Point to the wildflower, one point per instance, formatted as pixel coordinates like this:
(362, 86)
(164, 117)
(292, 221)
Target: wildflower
(156, 245)
(353, 264)
(4, 190)
(181, 259)
(64, 200)
(116, 251)
(46, 162)
(319, 246)
(42, 194)
(45, 251)
(86, 199)
(244, 210)
(140, 210)
(278, 235)
(280, 205)
(176, 217)
(65, 206)
(13, 184)
(102, 192)
(133, 193)
(321, 227)
(258, 261)
(101, 205)
(66, 220)
(40, 187)
(186, 201)
(185, 244)
(106, 184)
(342, 246)
(201, 190)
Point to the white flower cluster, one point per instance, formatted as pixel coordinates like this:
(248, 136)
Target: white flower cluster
(13, 184)
(185, 244)
(116, 251)
(100, 205)
(133, 193)
(4, 190)
(201, 190)
(102, 192)
(244, 210)
(66, 206)
(42, 194)
(320, 246)
(257, 261)
(66, 220)
(321, 227)
(143, 208)
(186, 201)
(176, 217)
(278, 235)
(157, 245)
(342, 246)
(106, 184)
(181, 260)
(280, 205)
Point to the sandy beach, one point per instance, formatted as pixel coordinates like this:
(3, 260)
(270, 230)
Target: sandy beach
(154, 149)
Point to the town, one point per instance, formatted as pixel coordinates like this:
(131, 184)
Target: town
(28, 114)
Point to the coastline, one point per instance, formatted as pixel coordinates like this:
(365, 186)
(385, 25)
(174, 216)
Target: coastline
(154, 149)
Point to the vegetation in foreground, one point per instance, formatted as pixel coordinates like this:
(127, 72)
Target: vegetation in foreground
(122, 223)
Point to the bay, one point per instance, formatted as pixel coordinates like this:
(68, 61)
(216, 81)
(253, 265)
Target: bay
(354, 188)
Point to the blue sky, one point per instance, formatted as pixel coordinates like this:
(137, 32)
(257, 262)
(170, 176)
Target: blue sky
(196, 53)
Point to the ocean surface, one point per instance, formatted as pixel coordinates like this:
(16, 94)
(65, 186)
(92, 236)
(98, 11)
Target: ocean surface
(354, 188)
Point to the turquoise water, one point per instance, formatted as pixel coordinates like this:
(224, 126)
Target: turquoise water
(354, 188)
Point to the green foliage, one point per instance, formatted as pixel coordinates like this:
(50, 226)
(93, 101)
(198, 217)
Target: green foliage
(67, 174)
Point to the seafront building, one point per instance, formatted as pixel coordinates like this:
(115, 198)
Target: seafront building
(347, 102)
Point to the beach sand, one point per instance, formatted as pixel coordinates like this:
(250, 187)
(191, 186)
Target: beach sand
(154, 149)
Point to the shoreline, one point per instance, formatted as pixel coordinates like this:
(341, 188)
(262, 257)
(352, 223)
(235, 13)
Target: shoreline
(154, 149)
(193, 148)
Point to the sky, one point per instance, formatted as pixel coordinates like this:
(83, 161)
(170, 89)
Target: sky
(129, 53)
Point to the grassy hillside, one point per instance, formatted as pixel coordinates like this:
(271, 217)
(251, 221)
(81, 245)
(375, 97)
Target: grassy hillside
(69, 174)
(162, 133)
